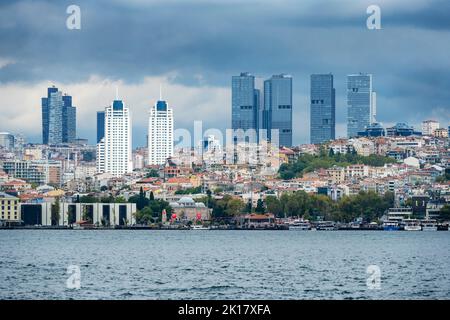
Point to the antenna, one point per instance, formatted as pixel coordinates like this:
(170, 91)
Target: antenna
(117, 92)
(160, 92)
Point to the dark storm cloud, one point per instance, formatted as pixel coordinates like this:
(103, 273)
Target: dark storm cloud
(215, 39)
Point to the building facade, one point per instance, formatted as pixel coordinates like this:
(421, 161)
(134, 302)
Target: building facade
(58, 118)
(115, 147)
(245, 105)
(7, 141)
(9, 211)
(277, 113)
(429, 126)
(100, 125)
(323, 108)
(35, 171)
(160, 133)
(361, 103)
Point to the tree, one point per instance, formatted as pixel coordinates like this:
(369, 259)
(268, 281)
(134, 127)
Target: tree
(144, 216)
(260, 207)
(55, 216)
(445, 213)
(152, 196)
(234, 207)
(274, 206)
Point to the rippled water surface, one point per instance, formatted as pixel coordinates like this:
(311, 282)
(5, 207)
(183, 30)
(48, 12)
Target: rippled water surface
(148, 264)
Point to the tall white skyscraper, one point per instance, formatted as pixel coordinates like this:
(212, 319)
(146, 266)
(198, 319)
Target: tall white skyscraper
(114, 149)
(160, 133)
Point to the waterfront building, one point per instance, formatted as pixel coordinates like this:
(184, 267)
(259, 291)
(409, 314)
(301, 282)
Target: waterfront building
(106, 214)
(8, 209)
(428, 127)
(114, 149)
(186, 209)
(245, 104)
(277, 113)
(7, 141)
(160, 133)
(323, 108)
(361, 103)
(58, 118)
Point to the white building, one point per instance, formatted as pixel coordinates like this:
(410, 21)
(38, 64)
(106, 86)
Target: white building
(160, 133)
(114, 150)
(429, 126)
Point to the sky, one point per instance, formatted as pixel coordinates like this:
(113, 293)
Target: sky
(192, 48)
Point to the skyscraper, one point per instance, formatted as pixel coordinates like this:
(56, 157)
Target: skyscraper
(58, 118)
(114, 149)
(361, 103)
(323, 108)
(160, 133)
(277, 113)
(245, 103)
(100, 125)
(69, 129)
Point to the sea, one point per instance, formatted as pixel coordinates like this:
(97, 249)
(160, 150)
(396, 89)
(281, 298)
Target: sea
(223, 264)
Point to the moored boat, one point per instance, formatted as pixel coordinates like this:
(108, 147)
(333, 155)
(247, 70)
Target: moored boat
(429, 225)
(412, 225)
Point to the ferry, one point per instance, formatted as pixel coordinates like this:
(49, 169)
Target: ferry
(199, 227)
(391, 225)
(325, 226)
(412, 225)
(429, 225)
(299, 225)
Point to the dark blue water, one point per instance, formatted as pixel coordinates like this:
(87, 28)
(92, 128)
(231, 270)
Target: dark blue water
(149, 264)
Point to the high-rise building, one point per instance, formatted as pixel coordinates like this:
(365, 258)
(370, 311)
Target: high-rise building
(7, 140)
(69, 127)
(245, 101)
(160, 133)
(100, 125)
(114, 149)
(323, 108)
(58, 118)
(277, 113)
(361, 103)
(429, 126)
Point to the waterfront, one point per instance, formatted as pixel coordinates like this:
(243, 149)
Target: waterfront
(152, 264)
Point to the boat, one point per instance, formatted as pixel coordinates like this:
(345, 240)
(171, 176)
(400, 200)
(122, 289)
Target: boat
(390, 225)
(325, 226)
(429, 225)
(412, 225)
(199, 227)
(299, 225)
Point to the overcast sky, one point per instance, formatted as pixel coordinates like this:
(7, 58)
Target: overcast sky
(194, 47)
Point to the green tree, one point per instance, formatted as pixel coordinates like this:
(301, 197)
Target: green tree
(274, 206)
(55, 212)
(260, 206)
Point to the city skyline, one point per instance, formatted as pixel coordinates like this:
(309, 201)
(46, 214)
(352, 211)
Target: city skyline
(410, 81)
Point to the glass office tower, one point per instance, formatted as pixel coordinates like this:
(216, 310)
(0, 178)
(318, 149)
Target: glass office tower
(277, 113)
(360, 102)
(323, 108)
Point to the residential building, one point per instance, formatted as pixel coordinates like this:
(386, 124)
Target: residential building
(160, 133)
(8, 208)
(114, 150)
(428, 127)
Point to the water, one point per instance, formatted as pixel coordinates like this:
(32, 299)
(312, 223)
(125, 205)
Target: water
(148, 264)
